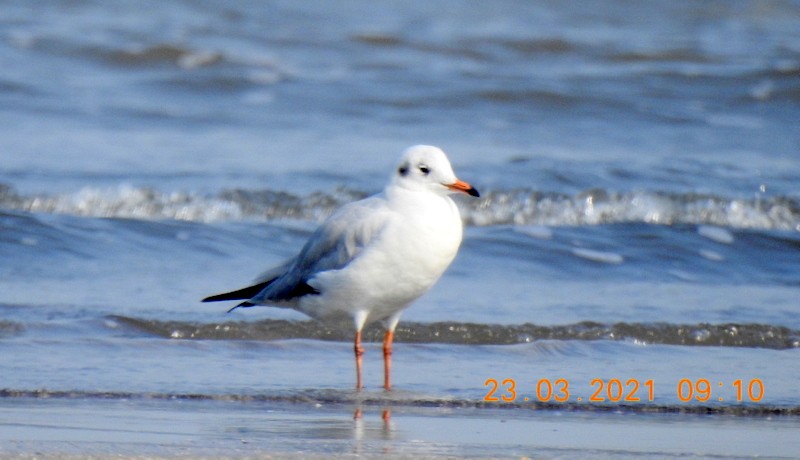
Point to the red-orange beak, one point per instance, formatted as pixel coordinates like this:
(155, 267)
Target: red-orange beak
(463, 187)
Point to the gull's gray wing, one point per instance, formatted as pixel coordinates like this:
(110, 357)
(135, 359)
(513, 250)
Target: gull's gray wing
(336, 243)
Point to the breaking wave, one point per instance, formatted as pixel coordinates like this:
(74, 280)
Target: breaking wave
(723, 335)
(496, 207)
(8, 328)
(400, 399)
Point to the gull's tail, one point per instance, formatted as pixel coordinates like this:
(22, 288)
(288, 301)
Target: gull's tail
(241, 294)
(289, 292)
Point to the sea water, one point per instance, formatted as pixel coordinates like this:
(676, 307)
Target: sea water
(638, 234)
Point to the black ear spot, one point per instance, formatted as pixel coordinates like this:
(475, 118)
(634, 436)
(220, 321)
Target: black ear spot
(403, 170)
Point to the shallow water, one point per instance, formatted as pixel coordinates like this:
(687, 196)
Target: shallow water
(639, 219)
(58, 428)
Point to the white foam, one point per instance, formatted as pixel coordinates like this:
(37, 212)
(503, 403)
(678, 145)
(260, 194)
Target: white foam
(29, 241)
(536, 231)
(194, 60)
(720, 235)
(711, 255)
(136, 203)
(598, 256)
(529, 212)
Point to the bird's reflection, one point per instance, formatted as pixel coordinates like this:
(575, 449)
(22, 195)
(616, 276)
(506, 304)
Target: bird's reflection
(386, 414)
(365, 430)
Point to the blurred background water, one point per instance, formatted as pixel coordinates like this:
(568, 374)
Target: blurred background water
(639, 165)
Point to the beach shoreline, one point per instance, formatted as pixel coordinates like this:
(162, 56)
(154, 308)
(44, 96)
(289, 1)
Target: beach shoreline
(186, 428)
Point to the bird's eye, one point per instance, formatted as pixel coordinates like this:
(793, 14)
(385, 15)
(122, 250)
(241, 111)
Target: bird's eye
(424, 169)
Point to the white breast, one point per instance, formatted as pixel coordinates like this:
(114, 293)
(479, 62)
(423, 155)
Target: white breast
(413, 250)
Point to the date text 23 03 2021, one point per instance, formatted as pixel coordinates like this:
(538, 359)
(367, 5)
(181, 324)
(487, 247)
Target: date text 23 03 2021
(619, 390)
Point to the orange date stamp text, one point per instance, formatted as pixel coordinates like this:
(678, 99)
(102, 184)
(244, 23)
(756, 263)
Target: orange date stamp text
(621, 390)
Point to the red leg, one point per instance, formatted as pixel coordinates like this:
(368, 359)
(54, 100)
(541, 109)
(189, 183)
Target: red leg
(387, 360)
(359, 360)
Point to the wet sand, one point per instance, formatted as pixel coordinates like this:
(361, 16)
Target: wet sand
(141, 428)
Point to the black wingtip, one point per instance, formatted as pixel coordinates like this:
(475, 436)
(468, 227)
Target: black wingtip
(247, 304)
(242, 294)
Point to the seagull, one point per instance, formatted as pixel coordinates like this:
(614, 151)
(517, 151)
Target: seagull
(373, 257)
